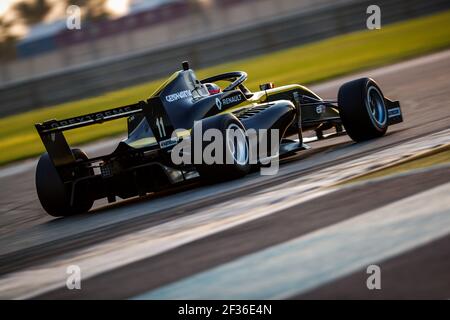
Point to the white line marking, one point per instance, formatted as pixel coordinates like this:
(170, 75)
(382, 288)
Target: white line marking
(149, 242)
(322, 256)
(394, 68)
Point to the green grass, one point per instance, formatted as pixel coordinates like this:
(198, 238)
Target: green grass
(304, 64)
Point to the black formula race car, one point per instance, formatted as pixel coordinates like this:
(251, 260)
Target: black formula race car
(68, 182)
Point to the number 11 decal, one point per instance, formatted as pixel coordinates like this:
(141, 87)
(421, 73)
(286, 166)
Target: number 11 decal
(160, 125)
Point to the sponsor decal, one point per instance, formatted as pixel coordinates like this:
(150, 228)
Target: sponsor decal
(219, 103)
(179, 96)
(168, 143)
(231, 100)
(394, 112)
(91, 117)
(228, 101)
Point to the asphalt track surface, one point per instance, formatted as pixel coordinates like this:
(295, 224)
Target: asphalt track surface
(206, 241)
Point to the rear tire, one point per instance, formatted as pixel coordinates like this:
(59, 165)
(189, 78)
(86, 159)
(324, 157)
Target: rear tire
(362, 109)
(235, 149)
(53, 194)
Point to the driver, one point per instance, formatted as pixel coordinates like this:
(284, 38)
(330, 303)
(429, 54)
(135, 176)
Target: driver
(213, 88)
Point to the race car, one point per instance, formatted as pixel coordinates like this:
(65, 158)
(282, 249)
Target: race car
(68, 181)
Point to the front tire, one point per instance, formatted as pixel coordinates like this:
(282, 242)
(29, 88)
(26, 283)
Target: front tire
(362, 109)
(53, 194)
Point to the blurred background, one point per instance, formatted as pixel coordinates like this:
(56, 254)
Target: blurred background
(36, 40)
(123, 42)
(333, 209)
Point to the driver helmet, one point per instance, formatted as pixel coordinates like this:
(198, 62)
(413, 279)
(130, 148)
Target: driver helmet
(213, 88)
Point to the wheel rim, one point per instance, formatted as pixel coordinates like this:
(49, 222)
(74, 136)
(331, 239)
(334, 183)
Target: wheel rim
(376, 107)
(237, 144)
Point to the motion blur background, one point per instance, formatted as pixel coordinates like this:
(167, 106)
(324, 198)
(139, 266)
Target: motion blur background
(328, 213)
(122, 42)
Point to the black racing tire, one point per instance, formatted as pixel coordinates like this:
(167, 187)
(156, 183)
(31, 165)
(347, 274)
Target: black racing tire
(362, 109)
(53, 194)
(237, 149)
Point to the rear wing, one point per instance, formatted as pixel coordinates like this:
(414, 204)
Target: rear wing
(53, 126)
(51, 131)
